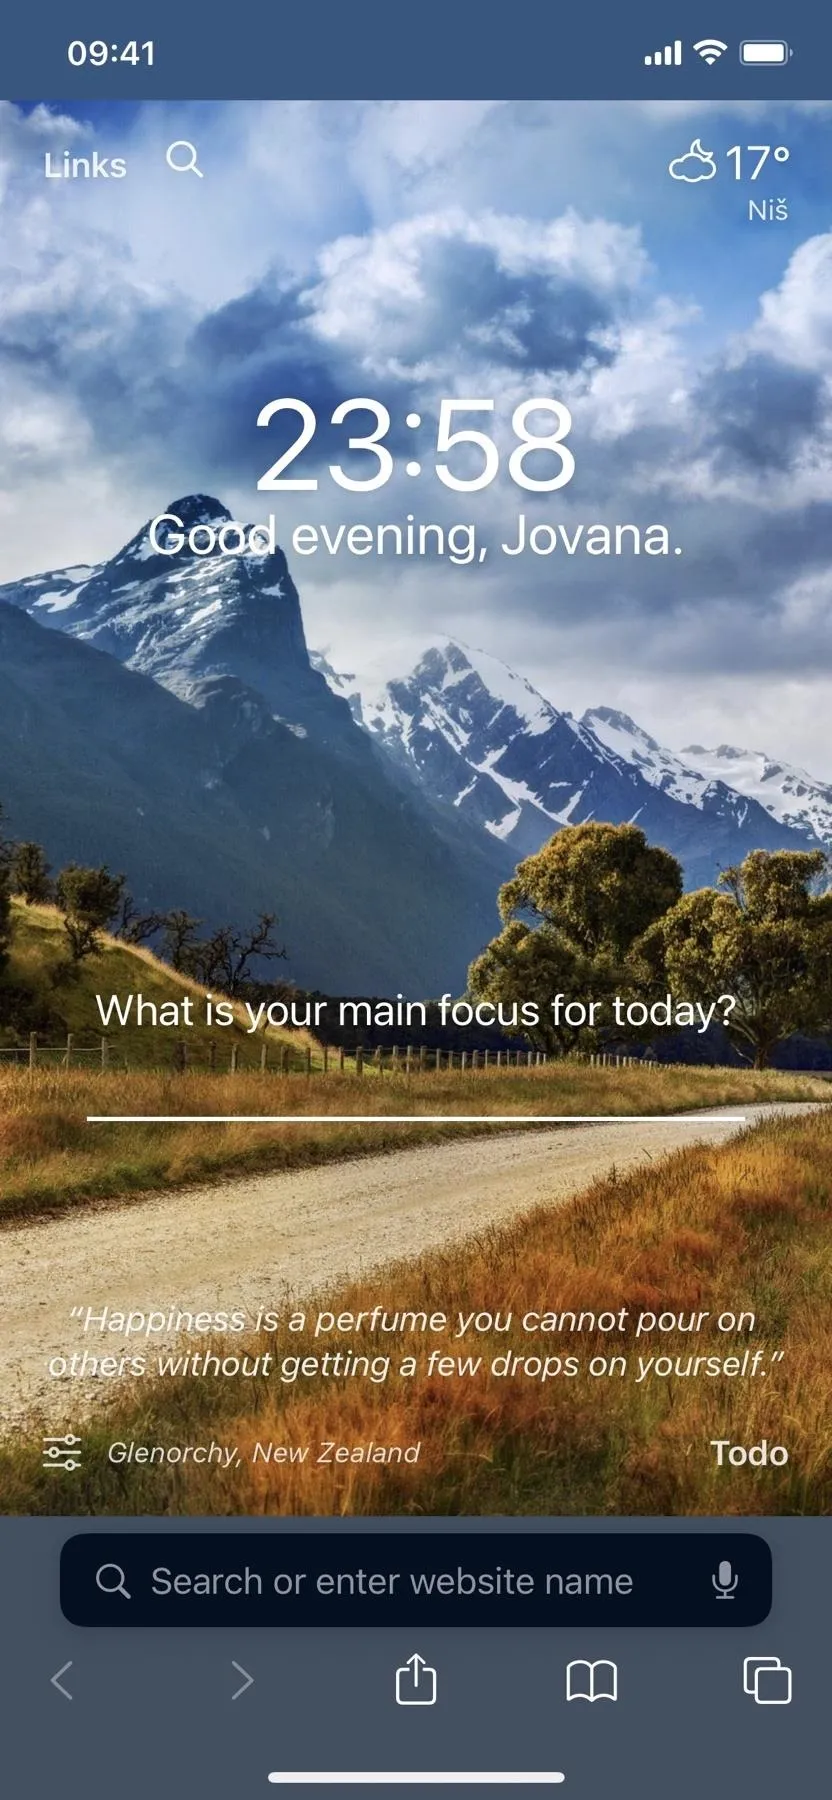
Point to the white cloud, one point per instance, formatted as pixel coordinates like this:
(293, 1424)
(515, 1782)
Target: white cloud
(795, 323)
(425, 245)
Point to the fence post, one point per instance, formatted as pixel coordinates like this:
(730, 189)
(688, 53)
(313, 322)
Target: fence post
(423, 1057)
(394, 1058)
(408, 1059)
(437, 1061)
(105, 1053)
(450, 1059)
(326, 1059)
(308, 1060)
(463, 1060)
(212, 1055)
(235, 1053)
(475, 1059)
(485, 1055)
(359, 1059)
(264, 1057)
(33, 1048)
(377, 1058)
(68, 1052)
(180, 1055)
(284, 1060)
(340, 1059)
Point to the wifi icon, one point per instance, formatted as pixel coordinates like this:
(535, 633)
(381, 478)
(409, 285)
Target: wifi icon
(710, 49)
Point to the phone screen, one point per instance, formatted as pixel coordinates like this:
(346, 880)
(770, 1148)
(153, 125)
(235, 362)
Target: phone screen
(415, 906)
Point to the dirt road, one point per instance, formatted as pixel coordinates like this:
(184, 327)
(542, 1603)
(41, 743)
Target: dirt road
(247, 1243)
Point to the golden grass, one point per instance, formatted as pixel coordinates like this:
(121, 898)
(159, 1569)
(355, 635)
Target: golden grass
(742, 1227)
(39, 962)
(51, 1159)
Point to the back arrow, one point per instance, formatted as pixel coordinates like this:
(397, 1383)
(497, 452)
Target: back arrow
(55, 1681)
(247, 1683)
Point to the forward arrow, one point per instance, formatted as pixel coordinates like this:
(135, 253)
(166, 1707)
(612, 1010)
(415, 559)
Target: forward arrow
(248, 1680)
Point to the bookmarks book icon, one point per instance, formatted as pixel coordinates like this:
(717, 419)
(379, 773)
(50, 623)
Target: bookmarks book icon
(591, 1680)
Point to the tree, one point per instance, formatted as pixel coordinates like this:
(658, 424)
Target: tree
(763, 939)
(135, 927)
(602, 885)
(572, 915)
(179, 938)
(89, 899)
(223, 959)
(5, 900)
(30, 873)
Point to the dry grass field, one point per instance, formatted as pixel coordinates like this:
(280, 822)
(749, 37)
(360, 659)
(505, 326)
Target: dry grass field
(51, 1159)
(744, 1227)
(39, 965)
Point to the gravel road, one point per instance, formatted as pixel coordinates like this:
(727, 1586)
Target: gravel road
(247, 1242)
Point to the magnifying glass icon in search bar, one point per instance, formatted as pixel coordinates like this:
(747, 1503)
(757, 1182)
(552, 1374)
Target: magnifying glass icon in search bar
(111, 1579)
(181, 156)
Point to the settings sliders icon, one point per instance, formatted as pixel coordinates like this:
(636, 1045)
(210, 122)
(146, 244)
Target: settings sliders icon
(62, 1453)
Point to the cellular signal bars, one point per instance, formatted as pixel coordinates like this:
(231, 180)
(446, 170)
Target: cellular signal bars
(667, 58)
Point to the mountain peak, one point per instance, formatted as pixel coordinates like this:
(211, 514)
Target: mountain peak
(199, 509)
(478, 736)
(726, 752)
(618, 722)
(452, 664)
(789, 793)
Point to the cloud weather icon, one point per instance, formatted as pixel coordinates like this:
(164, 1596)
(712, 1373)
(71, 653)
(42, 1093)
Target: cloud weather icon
(696, 164)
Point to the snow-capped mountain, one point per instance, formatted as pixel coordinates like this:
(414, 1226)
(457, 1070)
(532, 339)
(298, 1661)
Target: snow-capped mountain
(788, 793)
(664, 769)
(479, 737)
(202, 750)
(189, 620)
(376, 886)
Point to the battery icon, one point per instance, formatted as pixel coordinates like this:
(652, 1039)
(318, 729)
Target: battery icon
(767, 53)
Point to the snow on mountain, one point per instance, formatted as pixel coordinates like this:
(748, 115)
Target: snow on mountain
(480, 737)
(473, 733)
(376, 887)
(790, 795)
(191, 620)
(660, 767)
(710, 792)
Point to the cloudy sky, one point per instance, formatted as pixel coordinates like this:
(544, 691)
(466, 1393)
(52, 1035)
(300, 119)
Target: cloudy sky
(412, 251)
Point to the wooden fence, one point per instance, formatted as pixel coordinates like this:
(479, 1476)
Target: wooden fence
(283, 1059)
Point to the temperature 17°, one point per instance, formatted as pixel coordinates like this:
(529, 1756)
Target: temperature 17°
(744, 170)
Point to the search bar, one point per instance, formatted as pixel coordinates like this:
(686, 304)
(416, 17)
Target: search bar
(327, 1579)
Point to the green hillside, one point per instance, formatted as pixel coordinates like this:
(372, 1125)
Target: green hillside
(41, 991)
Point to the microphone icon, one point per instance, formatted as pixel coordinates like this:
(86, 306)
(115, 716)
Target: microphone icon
(725, 1582)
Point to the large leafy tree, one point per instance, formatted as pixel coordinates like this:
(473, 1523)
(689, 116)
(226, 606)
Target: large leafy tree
(572, 915)
(763, 938)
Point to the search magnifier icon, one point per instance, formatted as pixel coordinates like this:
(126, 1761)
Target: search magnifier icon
(110, 1578)
(181, 156)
